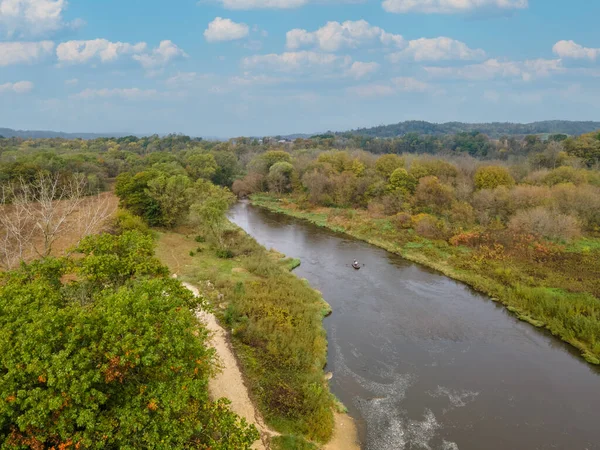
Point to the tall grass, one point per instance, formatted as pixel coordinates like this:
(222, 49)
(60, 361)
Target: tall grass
(275, 320)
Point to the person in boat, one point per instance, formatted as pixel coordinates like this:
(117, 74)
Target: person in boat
(355, 264)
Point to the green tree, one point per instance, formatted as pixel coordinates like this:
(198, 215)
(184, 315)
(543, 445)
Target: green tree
(172, 196)
(280, 177)
(128, 368)
(586, 147)
(201, 165)
(133, 194)
(209, 212)
(227, 168)
(386, 165)
(491, 177)
(401, 180)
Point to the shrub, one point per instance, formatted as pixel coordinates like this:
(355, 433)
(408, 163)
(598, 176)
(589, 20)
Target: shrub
(433, 167)
(526, 197)
(429, 227)
(565, 174)
(126, 221)
(433, 195)
(403, 220)
(491, 177)
(544, 223)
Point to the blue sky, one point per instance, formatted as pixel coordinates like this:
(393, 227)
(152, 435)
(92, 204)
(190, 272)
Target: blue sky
(259, 67)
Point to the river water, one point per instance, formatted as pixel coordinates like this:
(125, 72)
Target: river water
(424, 362)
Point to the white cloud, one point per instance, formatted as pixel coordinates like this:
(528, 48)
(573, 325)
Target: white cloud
(250, 80)
(408, 84)
(181, 79)
(360, 69)
(396, 85)
(23, 52)
(296, 61)
(225, 30)
(160, 56)
(33, 17)
(450, 6)
(71, 82)
(334, 36)
(129, 94)
(20, 87)
(437, 49)
(372, 90)
(79, 52)
(570, 49)
(263, 4)
(492, 68)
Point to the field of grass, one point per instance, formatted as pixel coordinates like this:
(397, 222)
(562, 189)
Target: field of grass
(275, 320)
(559, 294)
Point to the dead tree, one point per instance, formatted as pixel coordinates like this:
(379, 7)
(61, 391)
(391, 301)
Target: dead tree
(34, 215)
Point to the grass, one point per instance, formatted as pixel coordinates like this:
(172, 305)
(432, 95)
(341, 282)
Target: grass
(291, 443)
(561, 295)
(276, 327)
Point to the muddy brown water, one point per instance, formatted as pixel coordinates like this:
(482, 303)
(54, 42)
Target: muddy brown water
(424, 362)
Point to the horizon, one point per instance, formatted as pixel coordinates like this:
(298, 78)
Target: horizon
(117, 134)
(280, 67)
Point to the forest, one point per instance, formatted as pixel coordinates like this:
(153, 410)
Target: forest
(494, 130)
(516, 218)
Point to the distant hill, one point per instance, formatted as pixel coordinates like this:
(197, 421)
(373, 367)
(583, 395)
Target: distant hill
(35, 134)
(494, 129)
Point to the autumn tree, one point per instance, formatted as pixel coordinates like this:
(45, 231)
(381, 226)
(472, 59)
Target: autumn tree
(386, 164)
(432, 195)
(490, 177)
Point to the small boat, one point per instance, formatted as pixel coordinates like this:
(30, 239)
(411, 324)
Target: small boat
(355, 266)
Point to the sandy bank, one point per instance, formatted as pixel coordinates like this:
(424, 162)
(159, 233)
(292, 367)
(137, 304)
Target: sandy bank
(229, 383)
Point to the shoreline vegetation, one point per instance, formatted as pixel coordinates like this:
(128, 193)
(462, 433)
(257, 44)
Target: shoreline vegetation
(274, 322)
(556, 310)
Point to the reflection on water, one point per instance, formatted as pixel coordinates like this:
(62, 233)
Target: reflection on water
(423, 362)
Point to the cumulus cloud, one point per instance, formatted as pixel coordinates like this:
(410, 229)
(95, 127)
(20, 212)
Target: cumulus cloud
(263, 4)
(20, 87)
(493, 68)
(437, 49)
(395, 86)
(129, 94)
(220, 30)
(334, 36)
(32, 17)
(160, 56)
(23, 52)
(78, 52)
(572, 50)
(450, 6)
(296, 61)
(360, 69)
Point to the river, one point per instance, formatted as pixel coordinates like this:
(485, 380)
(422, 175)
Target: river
(424, 362)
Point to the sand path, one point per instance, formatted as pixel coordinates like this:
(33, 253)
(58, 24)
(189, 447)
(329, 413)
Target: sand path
(229, 383)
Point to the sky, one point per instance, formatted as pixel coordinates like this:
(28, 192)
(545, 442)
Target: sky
(225, 68)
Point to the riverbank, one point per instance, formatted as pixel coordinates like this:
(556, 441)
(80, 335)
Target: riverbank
(274, 322)
(541, 300)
